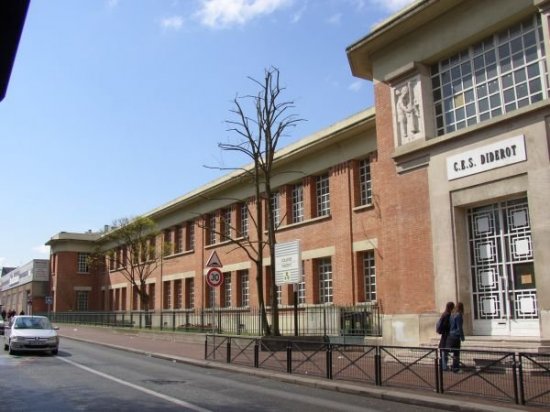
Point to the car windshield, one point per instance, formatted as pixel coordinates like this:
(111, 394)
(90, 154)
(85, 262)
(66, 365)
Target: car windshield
(32, 323)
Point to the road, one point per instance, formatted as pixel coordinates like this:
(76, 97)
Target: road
(86, 377)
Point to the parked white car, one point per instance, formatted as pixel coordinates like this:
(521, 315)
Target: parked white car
(31, 334)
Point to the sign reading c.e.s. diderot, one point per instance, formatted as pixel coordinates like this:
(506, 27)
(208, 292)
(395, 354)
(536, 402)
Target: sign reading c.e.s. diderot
(492, 156)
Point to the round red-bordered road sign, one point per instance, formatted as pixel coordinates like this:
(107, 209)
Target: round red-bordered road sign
(214, 277)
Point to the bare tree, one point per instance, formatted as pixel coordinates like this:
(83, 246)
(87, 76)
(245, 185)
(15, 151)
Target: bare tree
(131, 247)
(258, 135)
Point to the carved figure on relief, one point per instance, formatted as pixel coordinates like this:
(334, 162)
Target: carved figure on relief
(408, 112)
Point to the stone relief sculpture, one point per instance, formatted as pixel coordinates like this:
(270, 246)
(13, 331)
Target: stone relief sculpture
(407, 111)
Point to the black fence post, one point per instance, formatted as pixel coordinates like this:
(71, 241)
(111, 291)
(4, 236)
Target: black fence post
(228, 354)
(377, 367)
(520, 379)
(256, 354)
(329, 361)
(173, 320)
(438, 372)
(289, 357)
(515, 375)
(206, 348)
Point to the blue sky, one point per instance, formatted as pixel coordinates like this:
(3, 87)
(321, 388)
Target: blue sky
(115, 106)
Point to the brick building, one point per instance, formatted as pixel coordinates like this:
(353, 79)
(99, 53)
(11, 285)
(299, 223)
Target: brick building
(438, 193)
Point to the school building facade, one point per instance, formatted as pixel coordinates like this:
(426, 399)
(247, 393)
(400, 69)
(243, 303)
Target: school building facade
(438, 193)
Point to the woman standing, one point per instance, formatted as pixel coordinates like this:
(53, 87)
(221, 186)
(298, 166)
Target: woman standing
(456, 335)
(443, 328)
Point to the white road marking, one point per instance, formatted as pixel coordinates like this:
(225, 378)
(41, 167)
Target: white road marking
(139, 388)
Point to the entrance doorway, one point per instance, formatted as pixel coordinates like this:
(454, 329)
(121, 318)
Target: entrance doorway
(504, 291)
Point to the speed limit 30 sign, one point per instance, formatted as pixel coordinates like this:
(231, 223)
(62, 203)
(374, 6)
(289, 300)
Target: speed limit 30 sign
(214, 277)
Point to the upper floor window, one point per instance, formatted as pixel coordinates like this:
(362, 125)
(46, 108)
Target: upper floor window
(178, 239)
(276, 208)
(191, 235)
(365, 182)
(83, 266)
(302, 288)
(226, 224)
(297, 203)
(152, 248)
(323, 195)
(212, 229)
(495, 76)
(244, 220)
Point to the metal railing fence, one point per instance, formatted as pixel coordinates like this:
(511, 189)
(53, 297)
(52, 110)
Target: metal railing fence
(317, 320)
(522, 378)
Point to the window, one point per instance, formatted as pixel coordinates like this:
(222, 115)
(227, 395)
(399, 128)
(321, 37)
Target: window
(324, 269)
(178, 304)
(152, 248)
(152, 296)
(167, 295)
(82, 299)
(323, 195)
(276, 208)
(211, 297)
(495, 76)
(227, 290)
(178, 239)
(245, 287)
(279, 292)
(83, 263)
(226, 224)
(191, 235)
(244, 220)
(212, 229)
(167, 242)
(365, 183)
(297, 203)
(190, 292)
(302, 288)
(369, 276)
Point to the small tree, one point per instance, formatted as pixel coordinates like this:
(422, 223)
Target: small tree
(258, 138)
(132, 245)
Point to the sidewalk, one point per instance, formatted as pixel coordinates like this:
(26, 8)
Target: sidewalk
(189, 349)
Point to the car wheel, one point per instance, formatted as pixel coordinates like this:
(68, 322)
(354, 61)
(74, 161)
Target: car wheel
(6, 347)
(12, 352)
(54, 352)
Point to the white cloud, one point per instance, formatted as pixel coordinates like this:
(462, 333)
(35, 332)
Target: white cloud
(112, 3)
(172, 23)
(42, 250)
(297, 16)
(392, 5)
(356, 85)
(222, 13)
(335, 19)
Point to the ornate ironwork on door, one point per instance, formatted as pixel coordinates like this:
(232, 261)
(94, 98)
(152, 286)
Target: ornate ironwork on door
(501, 257)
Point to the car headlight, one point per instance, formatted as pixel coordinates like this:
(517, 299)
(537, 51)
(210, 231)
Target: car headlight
(53, 339)
(16, 339)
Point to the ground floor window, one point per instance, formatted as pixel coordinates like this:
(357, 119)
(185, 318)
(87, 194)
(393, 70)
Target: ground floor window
(369, 276)
(324, 270)
(244, 287)
(82, 299)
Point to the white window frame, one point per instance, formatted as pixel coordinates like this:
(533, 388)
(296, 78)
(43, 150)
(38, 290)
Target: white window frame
(322, 186)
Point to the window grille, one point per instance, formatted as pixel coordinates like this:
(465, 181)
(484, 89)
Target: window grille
(498, 75)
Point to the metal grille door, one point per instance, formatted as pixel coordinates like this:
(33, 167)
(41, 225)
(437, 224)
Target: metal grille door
(503, 278)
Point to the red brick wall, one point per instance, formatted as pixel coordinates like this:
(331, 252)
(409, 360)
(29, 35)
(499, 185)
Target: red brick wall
(404, 259)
